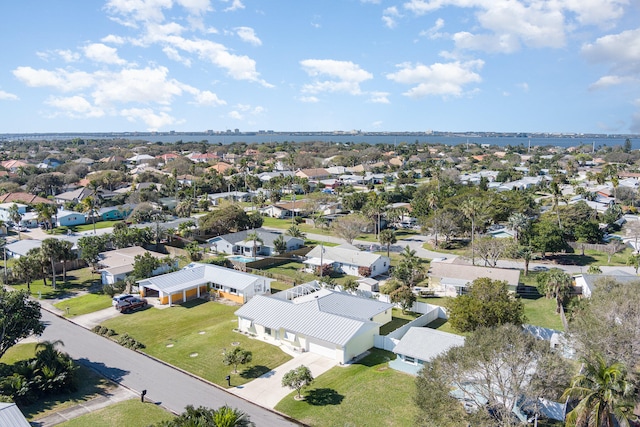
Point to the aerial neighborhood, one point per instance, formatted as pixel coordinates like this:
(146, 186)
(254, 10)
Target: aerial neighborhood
(326, 284)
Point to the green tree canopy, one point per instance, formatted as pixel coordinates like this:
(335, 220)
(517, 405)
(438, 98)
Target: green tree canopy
(297, 378)
(19, 318)
(487, 303)
(237, 356)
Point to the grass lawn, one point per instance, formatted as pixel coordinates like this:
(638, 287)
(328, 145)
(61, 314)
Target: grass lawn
(398, 319)
(367, 393)
(88, 382)
(77, 280)
(444, 326)
(84, 304)
(176, 334)
(542, 312)
(130, 413)
(84, 227)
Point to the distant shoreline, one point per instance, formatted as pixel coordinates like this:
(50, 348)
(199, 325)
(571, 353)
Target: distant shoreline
(372, 138)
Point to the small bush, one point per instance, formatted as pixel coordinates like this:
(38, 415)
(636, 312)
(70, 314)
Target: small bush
(128, 341)
(101, 330)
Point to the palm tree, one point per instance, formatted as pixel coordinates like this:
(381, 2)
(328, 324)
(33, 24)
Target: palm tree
(88, 206)
(16, 217)
(471, 208)
(255, 237)
(66, 254)
(556, 192)
(51, 249)
(558, 284)
(294, 231)
(388, 238)
(605, 395)
(46, 212)
(518, 222)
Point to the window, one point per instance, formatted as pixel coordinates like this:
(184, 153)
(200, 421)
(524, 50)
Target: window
(267, 331)
(233, 291)
(385, 263)
(409, 359)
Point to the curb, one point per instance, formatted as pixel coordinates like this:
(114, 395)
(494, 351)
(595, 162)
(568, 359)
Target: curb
(285, 416)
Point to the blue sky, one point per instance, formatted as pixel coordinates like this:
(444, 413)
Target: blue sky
(371, 65)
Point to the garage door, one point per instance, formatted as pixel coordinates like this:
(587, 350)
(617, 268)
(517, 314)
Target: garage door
(322, 348)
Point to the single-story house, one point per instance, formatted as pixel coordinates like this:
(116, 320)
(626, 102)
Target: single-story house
(588, 282)
(348, 259)
(10, 415)
(75, 196)
(69, 218)
(117, 264)
(452, 279)
(311, 318)
(21, 197)
(236, 196)
(282, 210)
(5, 210)
(114, 213)
(420, 345)
(239, 244)
(196, 279)
(21, 247)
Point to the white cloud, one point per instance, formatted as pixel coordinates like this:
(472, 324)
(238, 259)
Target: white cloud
(608, 81)
(309, 99)
(134, 11)
(208, 98)
(74, 107)
(622, 50)
(60, 79)
(441, 79)
(248, 35)
(235, 5)
(505, 25)
(345, 76)
(434, 32)
(113, 39)
(196, 6)
(243, 110)
(524, 86)
(145, 85)
(6, 96)
(153, 120)
(389, 17)
(99, 52)
(68, 55)
(379, 97)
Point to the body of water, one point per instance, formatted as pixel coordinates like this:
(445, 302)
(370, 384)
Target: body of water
(342, 139)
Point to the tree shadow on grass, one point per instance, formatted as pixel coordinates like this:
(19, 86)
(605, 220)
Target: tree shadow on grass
(254, 371)
(323, 397)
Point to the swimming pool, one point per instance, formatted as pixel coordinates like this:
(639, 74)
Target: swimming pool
(242, 259)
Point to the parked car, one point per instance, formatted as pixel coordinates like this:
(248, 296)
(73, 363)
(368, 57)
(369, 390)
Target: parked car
(130, 304)
(118, 298)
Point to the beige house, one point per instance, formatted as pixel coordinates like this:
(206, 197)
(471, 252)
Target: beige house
(452, 279)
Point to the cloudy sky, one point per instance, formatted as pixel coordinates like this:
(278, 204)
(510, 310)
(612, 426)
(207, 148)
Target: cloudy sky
(296, 65)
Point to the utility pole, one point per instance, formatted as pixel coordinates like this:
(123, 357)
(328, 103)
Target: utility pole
(321, 259)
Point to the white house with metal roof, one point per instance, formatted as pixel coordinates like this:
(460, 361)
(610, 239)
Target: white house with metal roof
(420, 345)
(11, 416)
(311, 318)
(349, 260)
(196, 279)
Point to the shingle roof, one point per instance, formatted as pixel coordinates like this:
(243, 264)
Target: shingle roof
(470, 273)
(345, 254)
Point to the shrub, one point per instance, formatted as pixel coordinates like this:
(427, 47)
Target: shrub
(128, 341)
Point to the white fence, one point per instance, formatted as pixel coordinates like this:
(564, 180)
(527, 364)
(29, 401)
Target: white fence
(429, 314)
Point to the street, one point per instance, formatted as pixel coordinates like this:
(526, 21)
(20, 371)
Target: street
(165, 385)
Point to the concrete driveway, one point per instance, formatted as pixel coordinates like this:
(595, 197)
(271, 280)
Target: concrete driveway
(267, 390)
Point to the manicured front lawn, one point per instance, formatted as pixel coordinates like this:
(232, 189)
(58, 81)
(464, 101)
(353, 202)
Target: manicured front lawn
(84, 304)
(398, 319)
(77, 280)
(367, 393)
(130, 413)
(88, 382)
(84, 227)
(193, 336)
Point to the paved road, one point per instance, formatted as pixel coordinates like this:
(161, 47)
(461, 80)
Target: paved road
(165, 385)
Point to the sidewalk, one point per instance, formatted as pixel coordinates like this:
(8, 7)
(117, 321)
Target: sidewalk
(118, 394)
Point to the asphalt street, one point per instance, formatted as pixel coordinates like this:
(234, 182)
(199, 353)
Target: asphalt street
(165, 385)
